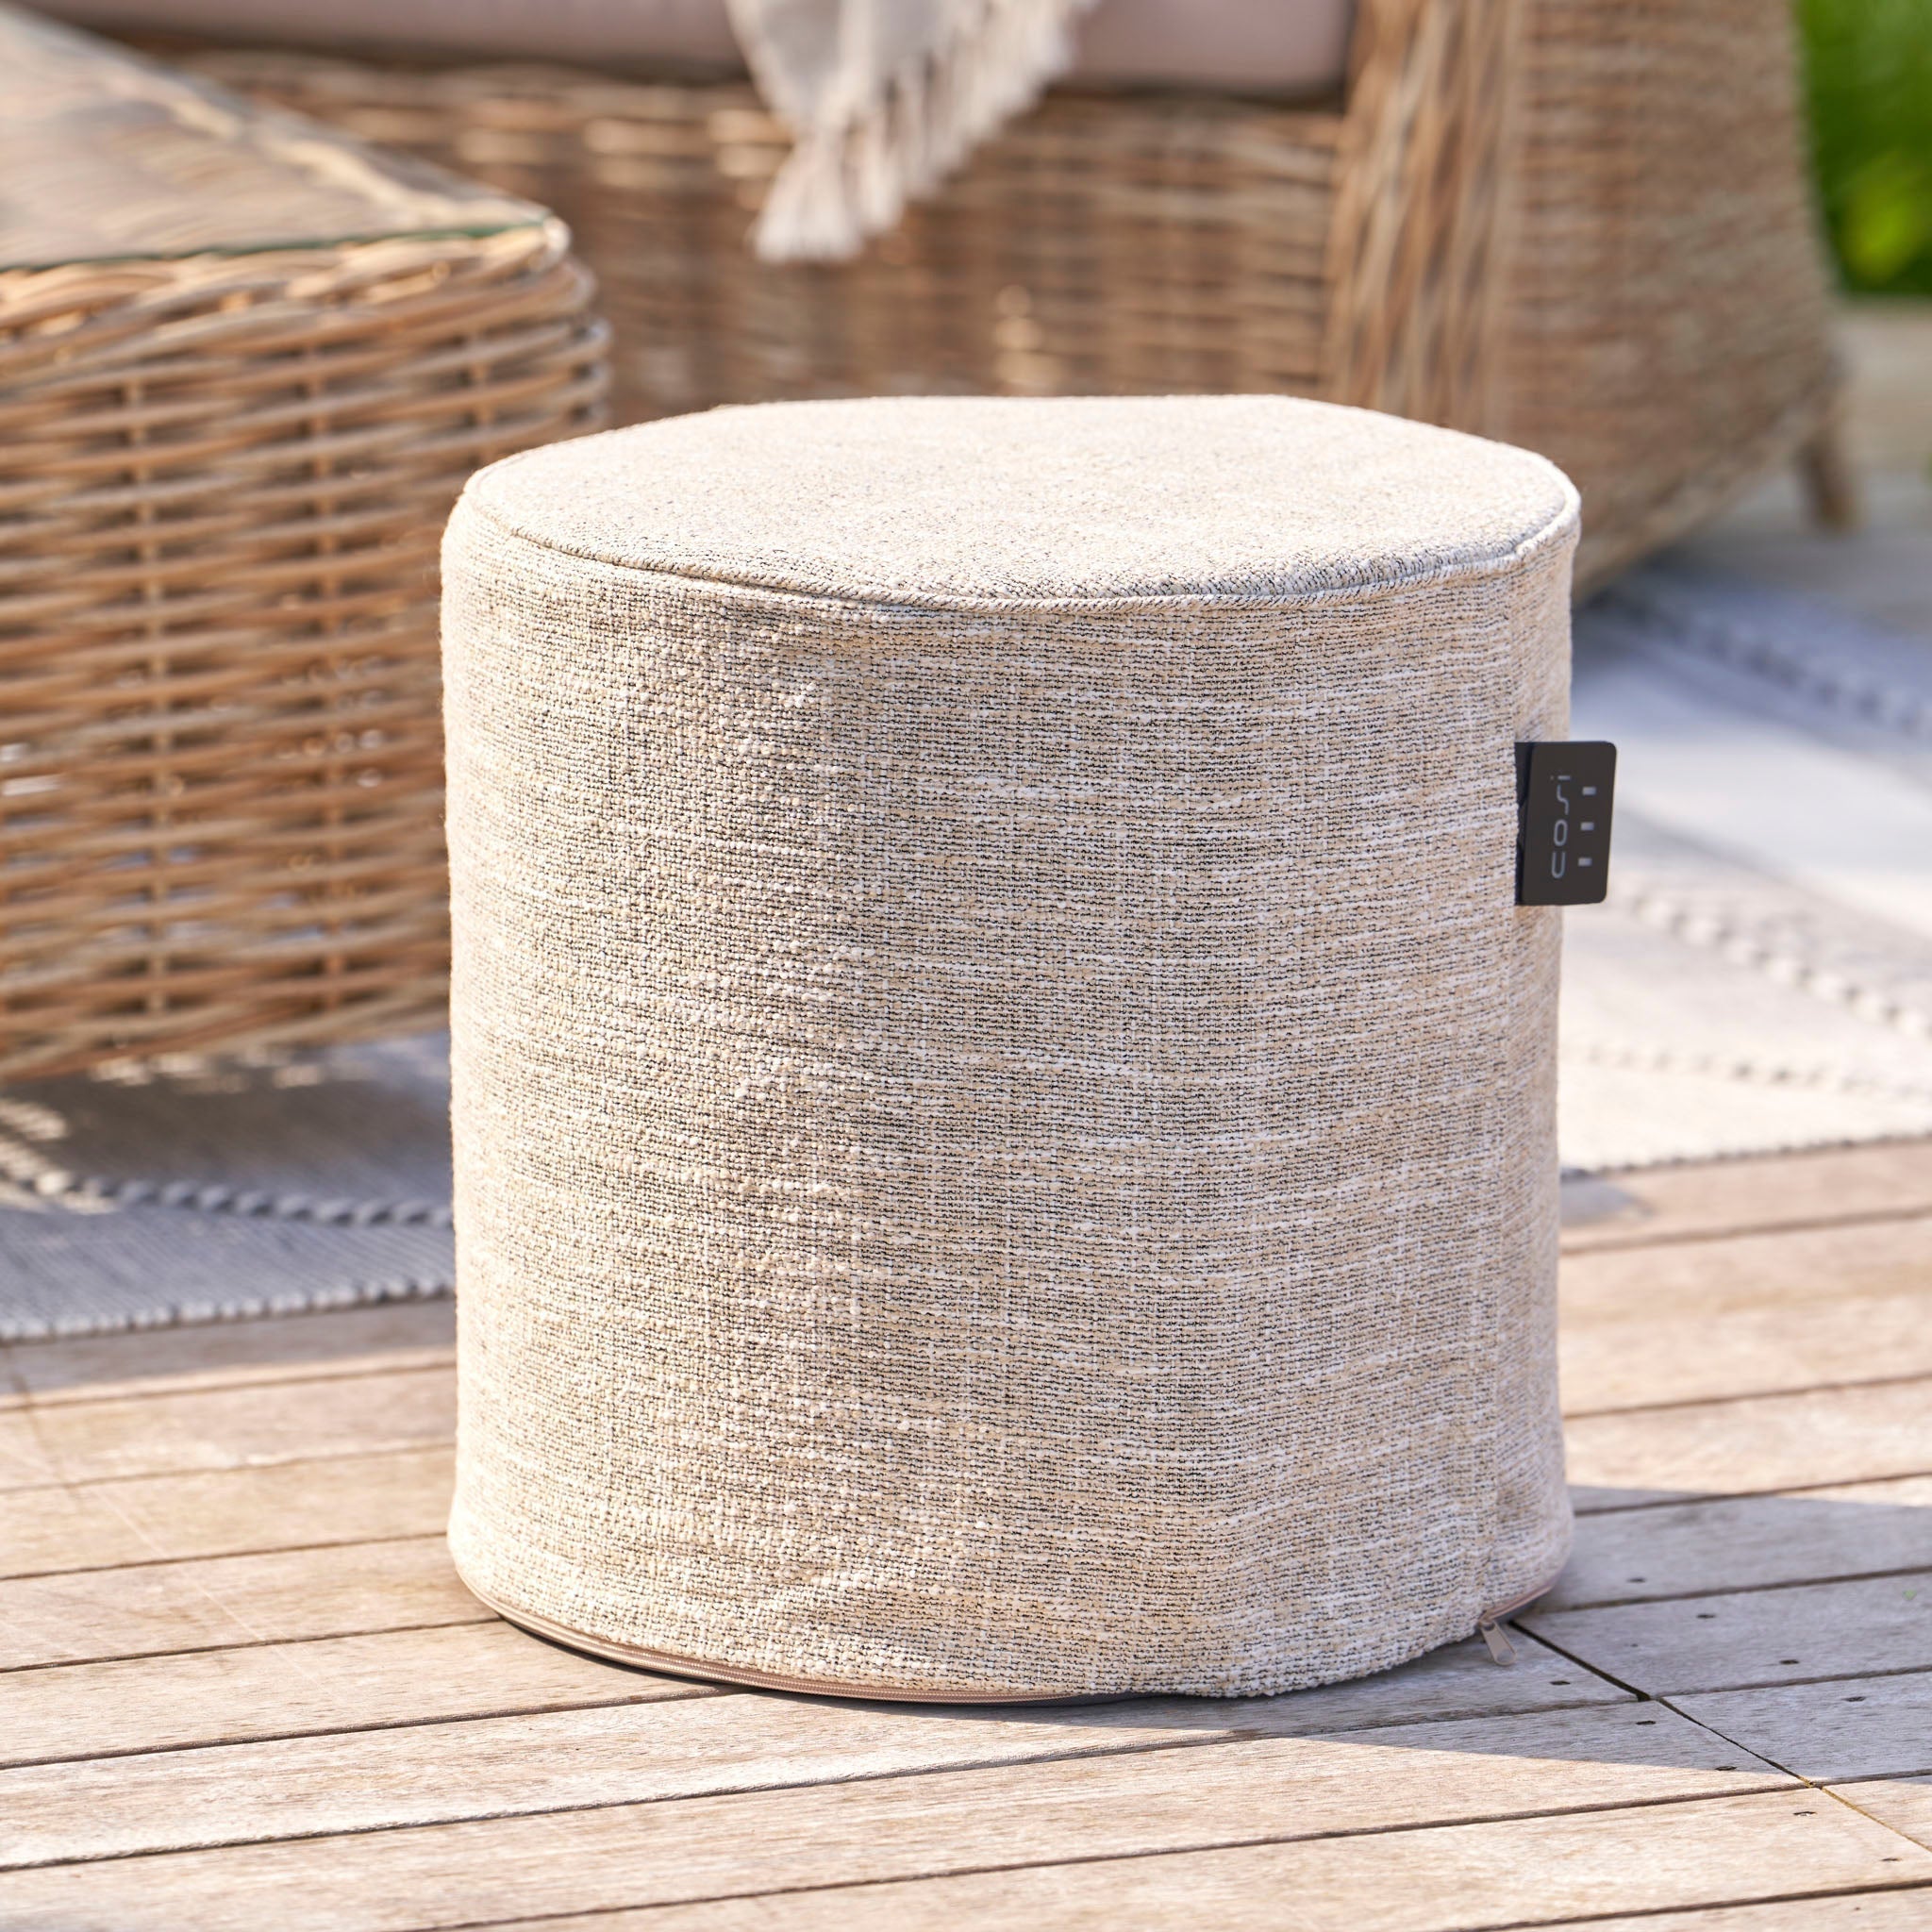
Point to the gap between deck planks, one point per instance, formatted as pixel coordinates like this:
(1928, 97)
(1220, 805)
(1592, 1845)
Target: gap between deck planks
(1904, 1804)
(345, 1684)
(391, 1679)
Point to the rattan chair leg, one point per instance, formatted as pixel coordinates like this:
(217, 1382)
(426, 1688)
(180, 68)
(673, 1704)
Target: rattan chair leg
(1831, 483)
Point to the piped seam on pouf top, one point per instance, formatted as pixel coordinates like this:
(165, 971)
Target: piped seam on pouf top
(1566, 524)
(1359, 580)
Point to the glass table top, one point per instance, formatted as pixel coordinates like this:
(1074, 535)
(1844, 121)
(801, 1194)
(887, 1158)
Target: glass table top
(108, 157)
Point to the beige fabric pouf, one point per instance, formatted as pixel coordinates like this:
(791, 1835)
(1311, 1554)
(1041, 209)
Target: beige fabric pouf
(1004, 1105)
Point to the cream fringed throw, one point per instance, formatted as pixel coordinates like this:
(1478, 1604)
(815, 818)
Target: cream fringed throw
(885, 97)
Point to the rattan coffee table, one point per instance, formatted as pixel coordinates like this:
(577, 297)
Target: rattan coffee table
(245, 365)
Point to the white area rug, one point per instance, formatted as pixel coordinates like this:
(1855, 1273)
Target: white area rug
(197, 1191)
(1760, 979)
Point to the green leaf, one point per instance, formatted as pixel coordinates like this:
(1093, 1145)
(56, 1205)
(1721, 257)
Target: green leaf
(1888, 218)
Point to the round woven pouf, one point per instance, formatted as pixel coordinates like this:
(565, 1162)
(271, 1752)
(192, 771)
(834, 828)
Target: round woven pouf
(1004, 1108)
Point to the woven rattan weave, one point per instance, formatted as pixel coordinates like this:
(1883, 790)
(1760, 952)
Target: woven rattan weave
(228, 439)
(1667, 332)
(1104, 244)
(1582, 225)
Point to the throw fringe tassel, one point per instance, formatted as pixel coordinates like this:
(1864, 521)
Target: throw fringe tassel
(844, 184)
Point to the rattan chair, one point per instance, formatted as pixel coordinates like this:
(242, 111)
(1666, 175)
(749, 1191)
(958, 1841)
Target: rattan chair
(1580, 225)
(1665, 319)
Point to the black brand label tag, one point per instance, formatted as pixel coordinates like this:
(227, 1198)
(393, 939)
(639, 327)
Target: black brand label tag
(1563, 823)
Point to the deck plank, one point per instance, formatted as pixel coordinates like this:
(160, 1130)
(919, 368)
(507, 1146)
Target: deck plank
(1744, 1542)
(1167, 1894)
(155, 1608)
(1829, 1342)
(318, 1687)
(425, 1676)
(1906, 1910)
(245, 1651)
(225, 1512)
(1684, 1644)
(1903, 1804)
(1753, 1445)
(1451, 1879)
(1736, 1272)
(220, 1354)
(1745, 1315)
(225, 1429)
(1846, 1728)
(1831, 1187)
(1135, 1764)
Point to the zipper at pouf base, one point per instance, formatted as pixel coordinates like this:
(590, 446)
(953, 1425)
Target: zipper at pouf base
(1488, 1627)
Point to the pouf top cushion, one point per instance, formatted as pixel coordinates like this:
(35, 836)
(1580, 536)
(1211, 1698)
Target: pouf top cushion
(974, 502)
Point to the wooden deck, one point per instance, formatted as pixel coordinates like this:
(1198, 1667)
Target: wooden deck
(242, 1690)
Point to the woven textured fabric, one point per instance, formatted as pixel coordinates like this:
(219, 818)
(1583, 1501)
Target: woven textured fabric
(1003, 1108)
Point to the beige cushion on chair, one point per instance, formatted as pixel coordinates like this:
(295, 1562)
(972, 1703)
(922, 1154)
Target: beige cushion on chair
(1262, 46)
(1282, 46)
(1005, 1115)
